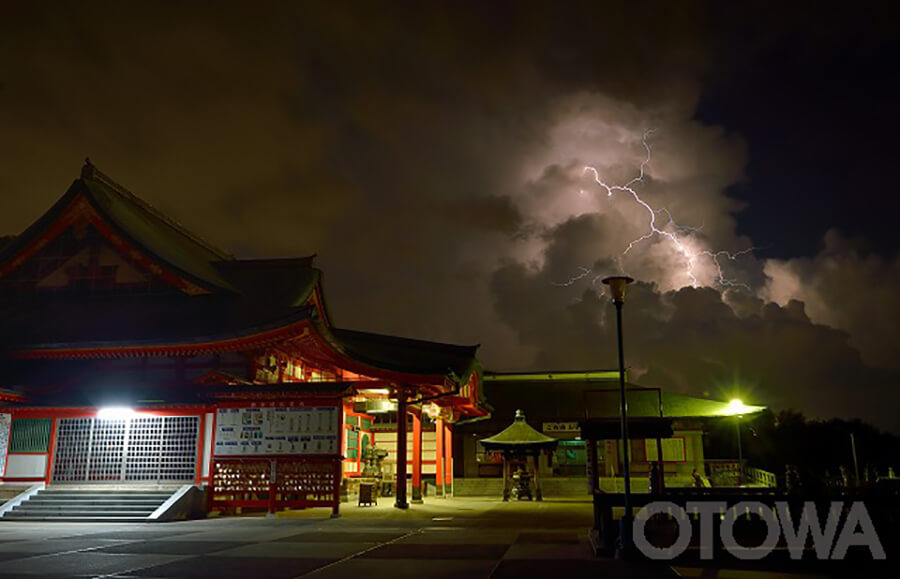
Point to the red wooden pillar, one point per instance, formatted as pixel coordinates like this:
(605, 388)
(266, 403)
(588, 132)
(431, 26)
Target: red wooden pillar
(51, 451)
(417, 459)
(401, 503)
(339, 461)
(448, 457)
(439, 455)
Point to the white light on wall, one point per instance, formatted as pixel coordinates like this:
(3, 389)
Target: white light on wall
(115, 413)
(375, 406)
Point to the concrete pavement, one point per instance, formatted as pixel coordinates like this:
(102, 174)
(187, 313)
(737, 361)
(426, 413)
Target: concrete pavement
(442, 538)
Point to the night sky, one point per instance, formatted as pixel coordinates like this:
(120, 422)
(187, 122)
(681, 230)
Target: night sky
(432, 155)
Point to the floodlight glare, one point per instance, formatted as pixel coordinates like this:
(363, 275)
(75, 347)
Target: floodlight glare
(736, 407)
(115, 413)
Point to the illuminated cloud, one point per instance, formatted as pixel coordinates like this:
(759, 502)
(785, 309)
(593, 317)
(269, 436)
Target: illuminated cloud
(793, 333)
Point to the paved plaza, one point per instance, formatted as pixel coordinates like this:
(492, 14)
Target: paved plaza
(468, 538)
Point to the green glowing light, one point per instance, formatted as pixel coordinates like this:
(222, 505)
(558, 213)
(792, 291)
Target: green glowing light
(737, 408)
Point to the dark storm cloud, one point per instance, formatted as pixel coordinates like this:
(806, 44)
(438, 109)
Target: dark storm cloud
(432, 155)
(847, 287)
(691, 341)
(386, 138)
(710, 342)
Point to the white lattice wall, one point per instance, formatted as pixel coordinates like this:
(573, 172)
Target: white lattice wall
(145, 448)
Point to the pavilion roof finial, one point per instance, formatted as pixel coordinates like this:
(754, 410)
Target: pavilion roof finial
(88, 171)
(520, 415)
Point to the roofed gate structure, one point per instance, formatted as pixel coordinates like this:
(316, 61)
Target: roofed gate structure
(133, 351)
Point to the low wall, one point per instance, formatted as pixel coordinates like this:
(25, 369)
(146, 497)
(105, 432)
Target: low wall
(563, 487)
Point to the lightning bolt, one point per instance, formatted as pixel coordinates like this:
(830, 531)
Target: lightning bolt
(671, 231)
(583, 273)
(721, 279)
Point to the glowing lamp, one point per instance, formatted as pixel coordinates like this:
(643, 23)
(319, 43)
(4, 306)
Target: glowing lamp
(116, 413)
(736, 407)
(431, 410)
(617, 285)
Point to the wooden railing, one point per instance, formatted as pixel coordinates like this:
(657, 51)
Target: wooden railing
(760, 477)
(728, 473)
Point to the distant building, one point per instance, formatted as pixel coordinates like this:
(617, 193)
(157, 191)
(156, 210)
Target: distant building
(558, 402)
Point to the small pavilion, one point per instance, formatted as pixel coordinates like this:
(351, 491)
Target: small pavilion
(518, 442)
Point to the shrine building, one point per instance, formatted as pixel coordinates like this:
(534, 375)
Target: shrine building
(132, 352)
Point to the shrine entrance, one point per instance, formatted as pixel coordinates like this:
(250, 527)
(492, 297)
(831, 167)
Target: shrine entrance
(140, 449)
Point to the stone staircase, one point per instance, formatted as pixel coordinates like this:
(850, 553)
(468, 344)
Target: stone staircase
(89, 505)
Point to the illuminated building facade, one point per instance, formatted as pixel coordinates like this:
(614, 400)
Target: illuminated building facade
(590, 396)
(133, 351)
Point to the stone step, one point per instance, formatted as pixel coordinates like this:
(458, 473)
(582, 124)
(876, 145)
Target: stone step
(93, 502)
(88, 505)
(41, 513)
(102, 496)
(45, 508)
(84, 494)
(69, 519)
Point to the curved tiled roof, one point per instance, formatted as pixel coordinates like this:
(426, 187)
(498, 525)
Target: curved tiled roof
(229, 298)
(518, 436)
(407, 355)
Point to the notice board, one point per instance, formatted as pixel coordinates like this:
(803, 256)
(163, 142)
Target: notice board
(272, 431)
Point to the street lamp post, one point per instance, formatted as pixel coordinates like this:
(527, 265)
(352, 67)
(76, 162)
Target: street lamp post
(737, 407)
(740, 453)
(617, 286)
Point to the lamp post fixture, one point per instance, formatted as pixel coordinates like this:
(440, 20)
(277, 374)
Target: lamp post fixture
(617, 285)
(737, 407)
